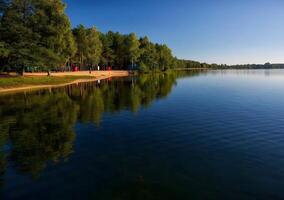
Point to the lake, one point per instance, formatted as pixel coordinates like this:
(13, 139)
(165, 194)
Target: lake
(180, 135)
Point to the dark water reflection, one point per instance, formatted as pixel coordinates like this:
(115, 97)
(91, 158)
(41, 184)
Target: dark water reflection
(217, 135)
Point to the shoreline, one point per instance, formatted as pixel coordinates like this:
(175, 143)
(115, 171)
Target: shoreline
(94, 76)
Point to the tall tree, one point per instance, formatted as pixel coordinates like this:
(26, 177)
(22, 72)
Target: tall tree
(89, 46)
(17, 34)
(148, 57)
(165, 56)
(4, 52)
(119, 47)
(80, 35)
(37, 33)
(132, 48)
(94, 47)
(53, 25)
(107, 56)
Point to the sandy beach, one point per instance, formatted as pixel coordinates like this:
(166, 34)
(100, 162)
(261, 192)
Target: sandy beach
(94, 76)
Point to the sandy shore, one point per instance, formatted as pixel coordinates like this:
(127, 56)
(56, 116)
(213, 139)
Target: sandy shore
(83, 73)
(96, 75)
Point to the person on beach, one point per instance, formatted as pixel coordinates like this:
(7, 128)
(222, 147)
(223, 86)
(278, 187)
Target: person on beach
(98, 68)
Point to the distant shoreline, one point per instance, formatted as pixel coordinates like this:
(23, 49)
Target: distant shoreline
(61, 79)
(78, 77)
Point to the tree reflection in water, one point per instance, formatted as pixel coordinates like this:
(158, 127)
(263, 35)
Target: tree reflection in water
(38, 127)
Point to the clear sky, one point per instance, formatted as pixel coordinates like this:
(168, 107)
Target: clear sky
(213, 31)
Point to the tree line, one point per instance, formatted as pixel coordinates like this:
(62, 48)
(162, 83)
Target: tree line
(36, 35)
(250, 66)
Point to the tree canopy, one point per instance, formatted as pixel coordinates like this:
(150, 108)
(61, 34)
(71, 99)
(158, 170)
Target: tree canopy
(35, 33)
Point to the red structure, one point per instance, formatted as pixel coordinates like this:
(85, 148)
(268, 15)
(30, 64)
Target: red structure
(75, 68)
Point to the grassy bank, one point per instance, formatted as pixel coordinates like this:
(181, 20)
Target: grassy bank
(18, 81)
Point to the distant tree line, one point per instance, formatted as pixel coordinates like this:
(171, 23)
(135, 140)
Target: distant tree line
(249, 66)
(184, 64)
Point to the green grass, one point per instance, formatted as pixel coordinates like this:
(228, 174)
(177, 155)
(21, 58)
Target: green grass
(13, 82)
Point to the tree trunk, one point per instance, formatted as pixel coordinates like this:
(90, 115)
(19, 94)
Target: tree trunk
(22, 73)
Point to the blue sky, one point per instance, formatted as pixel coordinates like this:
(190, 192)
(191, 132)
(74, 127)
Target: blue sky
(213, 31)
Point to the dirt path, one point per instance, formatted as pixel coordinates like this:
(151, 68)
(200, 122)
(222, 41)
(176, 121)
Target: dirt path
(96, 76)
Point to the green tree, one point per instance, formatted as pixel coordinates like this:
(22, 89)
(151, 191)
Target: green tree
(132, 48)
(94, 47)
(17, 34)
(120, 50)
(89, 46)
(107, 56)
(164, 56)
(4, 53)
(36, 33)
(148, 58)
(80, 35)
(52, 24)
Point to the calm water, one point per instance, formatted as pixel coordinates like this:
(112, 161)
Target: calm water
(206, 135)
